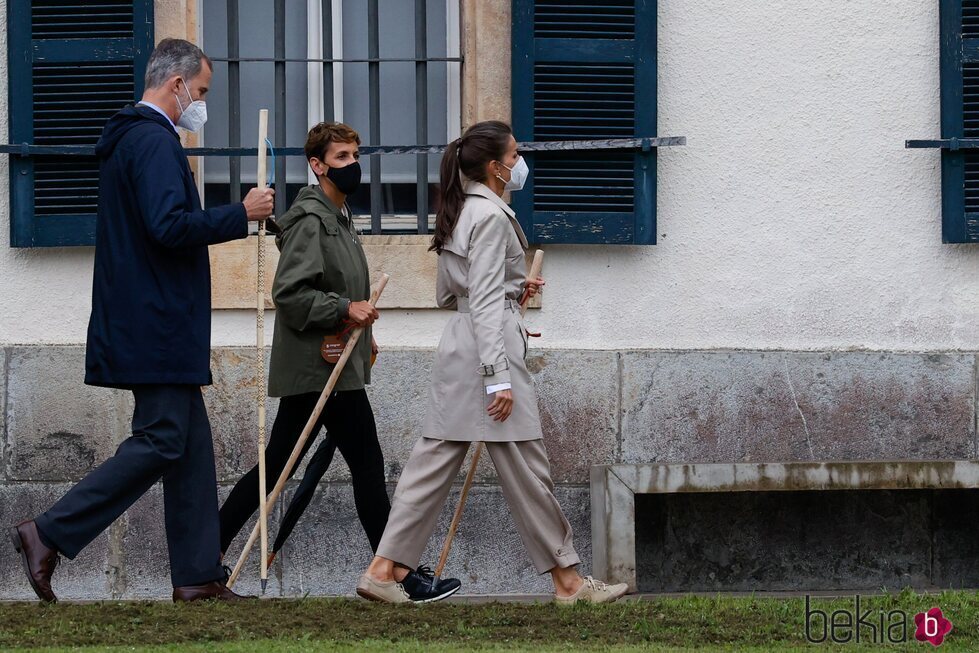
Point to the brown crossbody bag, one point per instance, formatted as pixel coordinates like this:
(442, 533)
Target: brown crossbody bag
(332, 346)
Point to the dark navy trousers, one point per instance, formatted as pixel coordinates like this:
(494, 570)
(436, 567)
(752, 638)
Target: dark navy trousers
(171, 441)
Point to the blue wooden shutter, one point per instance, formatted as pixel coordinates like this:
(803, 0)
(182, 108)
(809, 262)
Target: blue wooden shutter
(960, 119)
(72, 65)
(586, 70)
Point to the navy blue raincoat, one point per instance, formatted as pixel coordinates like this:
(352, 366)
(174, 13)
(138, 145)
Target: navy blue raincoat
(151, 296)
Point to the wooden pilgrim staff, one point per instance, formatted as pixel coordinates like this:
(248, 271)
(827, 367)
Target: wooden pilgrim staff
(263, 511)
(307, 430)
(535, 268)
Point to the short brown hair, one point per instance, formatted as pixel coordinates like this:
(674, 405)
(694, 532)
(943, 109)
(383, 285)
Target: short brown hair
(320, 136)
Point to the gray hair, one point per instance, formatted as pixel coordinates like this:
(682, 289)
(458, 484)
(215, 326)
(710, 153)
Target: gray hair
(174, 57)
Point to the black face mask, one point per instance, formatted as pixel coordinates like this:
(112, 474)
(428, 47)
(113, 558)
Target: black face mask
(346, 179)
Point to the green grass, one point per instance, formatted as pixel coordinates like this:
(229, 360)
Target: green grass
(309, 646)
(717, 623)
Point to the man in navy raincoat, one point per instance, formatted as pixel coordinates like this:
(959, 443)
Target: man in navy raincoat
(150, 333)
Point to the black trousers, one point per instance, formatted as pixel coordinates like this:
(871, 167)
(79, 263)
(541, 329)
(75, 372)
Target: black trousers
(171, 440)
(349, 420)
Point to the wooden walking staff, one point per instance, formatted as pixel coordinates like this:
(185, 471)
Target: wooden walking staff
(307, 431)
(263, 510)
(535, 268)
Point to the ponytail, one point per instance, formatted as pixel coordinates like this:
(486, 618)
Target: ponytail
(452, 196)
(483, 142)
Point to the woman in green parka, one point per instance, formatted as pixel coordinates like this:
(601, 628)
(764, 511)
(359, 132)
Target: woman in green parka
(321, 288)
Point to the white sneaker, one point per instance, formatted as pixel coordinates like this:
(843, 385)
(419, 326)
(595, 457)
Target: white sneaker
(594, 591)
(390, 591)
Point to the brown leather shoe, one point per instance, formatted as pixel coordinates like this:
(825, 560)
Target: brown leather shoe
(39, 560)
(216, 590)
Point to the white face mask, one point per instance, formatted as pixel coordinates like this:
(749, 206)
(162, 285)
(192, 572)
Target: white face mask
(518, 175)
(194, 116)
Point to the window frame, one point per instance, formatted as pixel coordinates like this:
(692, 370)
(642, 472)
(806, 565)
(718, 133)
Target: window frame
(331, 69)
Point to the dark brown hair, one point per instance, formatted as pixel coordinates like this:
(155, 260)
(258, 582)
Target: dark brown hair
(483, 142)
(321, 135)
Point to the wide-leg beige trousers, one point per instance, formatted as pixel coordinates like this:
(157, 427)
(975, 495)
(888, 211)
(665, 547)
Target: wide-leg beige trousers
(525, 476)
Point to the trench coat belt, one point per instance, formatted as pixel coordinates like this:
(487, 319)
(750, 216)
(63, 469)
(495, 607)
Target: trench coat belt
(462, 305)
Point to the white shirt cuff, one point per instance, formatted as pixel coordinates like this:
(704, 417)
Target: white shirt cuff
(493, 389)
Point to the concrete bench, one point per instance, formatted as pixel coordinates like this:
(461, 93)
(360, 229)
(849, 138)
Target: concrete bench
(614, 489)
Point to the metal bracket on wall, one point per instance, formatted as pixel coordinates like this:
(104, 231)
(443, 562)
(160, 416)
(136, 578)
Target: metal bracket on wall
(952, 144)
(640, 144)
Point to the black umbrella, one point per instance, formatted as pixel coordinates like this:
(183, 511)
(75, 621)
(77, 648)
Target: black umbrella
(318, 464)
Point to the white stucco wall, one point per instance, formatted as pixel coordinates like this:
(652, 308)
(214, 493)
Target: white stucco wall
(793, 219)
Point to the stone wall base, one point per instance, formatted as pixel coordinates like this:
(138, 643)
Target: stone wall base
(597, 407)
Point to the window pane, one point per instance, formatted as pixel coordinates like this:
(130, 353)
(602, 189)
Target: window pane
(398, 107)
(257, 39)
(396, 26)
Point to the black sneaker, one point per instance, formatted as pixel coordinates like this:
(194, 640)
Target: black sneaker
(418, 584)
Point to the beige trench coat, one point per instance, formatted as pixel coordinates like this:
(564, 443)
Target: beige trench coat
(484, 263)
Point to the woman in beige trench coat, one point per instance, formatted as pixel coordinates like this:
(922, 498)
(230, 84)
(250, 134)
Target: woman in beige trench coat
(480, 388)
